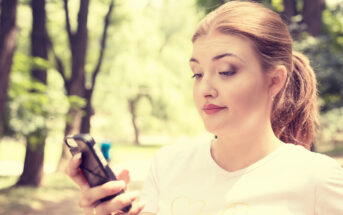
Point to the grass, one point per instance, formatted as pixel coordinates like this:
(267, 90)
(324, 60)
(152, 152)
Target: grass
(57, 189)
(125, 152)
(12, 154)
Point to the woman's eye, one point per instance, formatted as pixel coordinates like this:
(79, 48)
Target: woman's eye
(197, 75)
(227, 73)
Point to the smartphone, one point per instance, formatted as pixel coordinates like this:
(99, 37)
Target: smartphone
(94, 165)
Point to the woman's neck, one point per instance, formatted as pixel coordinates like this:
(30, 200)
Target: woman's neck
(237, 152)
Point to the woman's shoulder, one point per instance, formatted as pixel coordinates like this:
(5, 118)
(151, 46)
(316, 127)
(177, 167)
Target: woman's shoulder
(320, 172)
(315, 162)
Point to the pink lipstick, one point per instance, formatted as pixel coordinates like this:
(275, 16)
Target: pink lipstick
(212, 109)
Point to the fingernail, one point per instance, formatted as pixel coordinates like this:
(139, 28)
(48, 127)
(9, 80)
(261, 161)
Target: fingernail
(77, 156)
(142, 203)
(122, 184)
(134, 195)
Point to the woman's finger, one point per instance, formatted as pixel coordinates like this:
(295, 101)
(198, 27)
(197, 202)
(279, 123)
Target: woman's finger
(125, 176)
(74, 172)
(117, 203)
(92, 195)
(136, 208)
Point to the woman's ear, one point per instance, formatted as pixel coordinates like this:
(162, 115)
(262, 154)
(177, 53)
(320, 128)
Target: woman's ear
(277, 79)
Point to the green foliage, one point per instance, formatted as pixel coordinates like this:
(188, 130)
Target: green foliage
(39, 63)
(331, 131)
(27, 100)
(76, 101)
(209, 5)
(325, 53)
(328, 64)
(151, 57)
(31, 103)
(333, 24)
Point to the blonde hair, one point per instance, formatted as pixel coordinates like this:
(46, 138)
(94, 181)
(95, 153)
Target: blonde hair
(294, 116)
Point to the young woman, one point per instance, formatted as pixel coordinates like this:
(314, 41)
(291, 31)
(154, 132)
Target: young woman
(258, 97)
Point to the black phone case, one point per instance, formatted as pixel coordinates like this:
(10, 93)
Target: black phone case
(94, 166)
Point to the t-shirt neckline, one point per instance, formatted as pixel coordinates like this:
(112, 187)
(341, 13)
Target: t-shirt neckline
(245, 170)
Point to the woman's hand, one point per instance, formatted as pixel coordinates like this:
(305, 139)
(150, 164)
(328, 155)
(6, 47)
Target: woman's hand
(90, 196)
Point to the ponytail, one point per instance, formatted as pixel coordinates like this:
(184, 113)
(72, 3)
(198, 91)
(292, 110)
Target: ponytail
(295, 112)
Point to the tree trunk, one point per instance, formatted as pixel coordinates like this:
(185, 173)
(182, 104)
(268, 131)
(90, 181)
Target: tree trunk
(78, 120)
(313, 148)
(132, 107)
(78, 46)
(75, 86)
(34, 158)
(35, 142)
(290, 10)
(312, 15)
(87, 112)
(8, 35)
(74, 116)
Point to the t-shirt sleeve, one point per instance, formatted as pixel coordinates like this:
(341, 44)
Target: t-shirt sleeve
(329, 191)
(150, 191)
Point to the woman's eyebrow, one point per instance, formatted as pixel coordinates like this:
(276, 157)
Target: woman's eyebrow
(217, 57)
(193, 60)
(226, 55)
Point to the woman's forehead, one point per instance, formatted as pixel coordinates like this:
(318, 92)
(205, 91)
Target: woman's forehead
(218, 44)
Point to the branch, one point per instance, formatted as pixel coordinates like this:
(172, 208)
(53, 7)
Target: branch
(103, 44)
(59, 64)
(166, 40)
(66, 10)
(82, 18)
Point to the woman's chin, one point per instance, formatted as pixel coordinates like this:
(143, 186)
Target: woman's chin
(221, 129)
(214, 129)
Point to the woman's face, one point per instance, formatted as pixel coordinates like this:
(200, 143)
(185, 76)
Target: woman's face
(230, 88)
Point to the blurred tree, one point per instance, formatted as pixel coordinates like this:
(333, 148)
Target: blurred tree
(325, 52)
(78, 120)
(290, 10)
(210, 5)
(133, 110)
(35, 140)
(312, 15)
(8, 35)
(150, 58)
(311, 11)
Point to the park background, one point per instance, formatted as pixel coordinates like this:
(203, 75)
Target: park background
(118, 69)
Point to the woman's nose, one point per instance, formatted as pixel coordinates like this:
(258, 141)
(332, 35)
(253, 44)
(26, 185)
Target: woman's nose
(208, 89)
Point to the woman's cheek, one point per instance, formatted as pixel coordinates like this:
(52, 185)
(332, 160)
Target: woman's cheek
(196, 97)
(245, 97)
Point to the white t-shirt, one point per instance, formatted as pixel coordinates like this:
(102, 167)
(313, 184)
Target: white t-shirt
(185, 180)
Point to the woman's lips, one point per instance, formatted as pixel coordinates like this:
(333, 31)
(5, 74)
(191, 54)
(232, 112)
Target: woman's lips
(212, 109)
